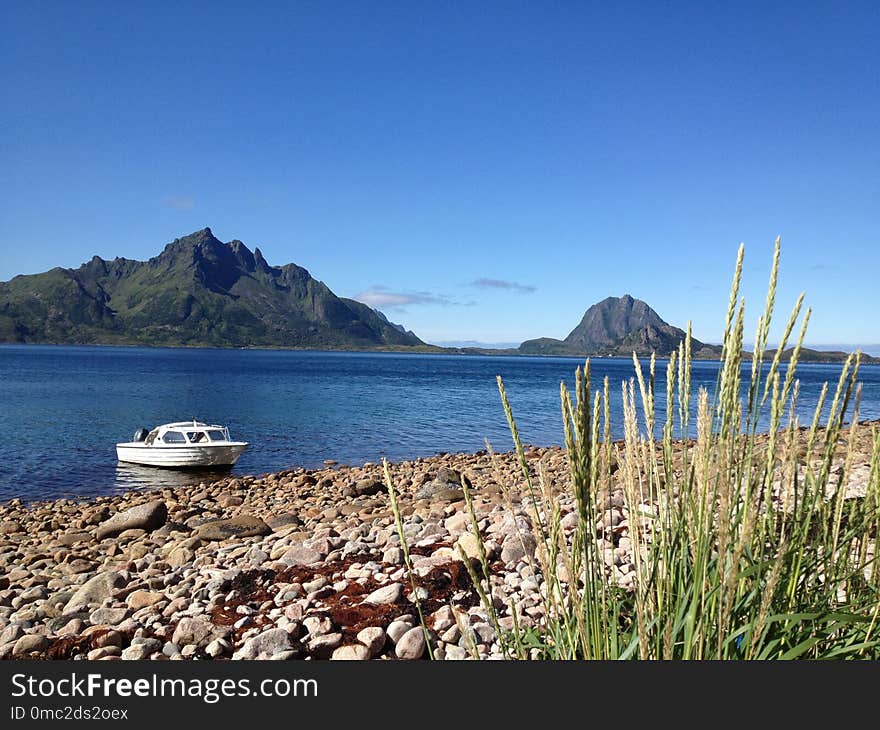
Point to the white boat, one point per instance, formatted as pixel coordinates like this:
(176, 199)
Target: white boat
(187, 443)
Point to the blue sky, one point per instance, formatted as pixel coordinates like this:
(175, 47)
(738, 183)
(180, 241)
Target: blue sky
(478, 171)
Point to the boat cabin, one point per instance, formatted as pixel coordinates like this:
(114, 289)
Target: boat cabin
(187, 432)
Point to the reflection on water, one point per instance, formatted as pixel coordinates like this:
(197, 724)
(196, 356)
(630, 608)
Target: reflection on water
(136, 477)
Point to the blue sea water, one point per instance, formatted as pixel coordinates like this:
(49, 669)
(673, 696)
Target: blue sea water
(62, 409)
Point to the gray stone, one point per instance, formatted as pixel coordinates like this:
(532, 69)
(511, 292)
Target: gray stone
(256, 557)
(241, 526)
(321, 647)
(516, 547)
(277, 522)
(485, 633)
(411, 645)
(11, 633)
(197, 630)
(108, 616)
(355, 652)
(95, 590)
(137, 652)
(30, 643)
(147, 517)
(446, 475)
(439, 491)
(71, 538)
(265, 645)
(149, 642)
(34, 593)
(393, 556)
(385, 595)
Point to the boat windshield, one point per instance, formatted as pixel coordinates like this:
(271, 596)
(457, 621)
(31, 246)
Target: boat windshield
(215, 435)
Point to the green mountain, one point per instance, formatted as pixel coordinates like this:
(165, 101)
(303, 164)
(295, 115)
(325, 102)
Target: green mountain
(197, 292)
(618, 326)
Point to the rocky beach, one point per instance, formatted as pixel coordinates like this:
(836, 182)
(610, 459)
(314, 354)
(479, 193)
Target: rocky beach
(302, 564)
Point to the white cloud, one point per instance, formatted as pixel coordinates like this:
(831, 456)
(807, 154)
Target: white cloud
(484, 283)
(381, 297)
(179, 202)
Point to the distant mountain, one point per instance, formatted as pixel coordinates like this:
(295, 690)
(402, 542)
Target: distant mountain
(476, 344)
(617, 326)
(198, 291)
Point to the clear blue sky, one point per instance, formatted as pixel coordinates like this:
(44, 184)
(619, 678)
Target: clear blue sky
(480, 171)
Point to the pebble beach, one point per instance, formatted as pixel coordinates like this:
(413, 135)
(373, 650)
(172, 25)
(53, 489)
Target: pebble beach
(300, 564)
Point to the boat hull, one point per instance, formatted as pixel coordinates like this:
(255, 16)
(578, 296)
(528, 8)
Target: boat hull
(180, 456)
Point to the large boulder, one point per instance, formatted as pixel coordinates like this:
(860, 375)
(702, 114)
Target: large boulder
(95, 590)
(30, 643)
(241, 526)
(446, 485)
(369, 487)
(149, 516)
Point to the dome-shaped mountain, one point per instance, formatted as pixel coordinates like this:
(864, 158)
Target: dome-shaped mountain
(198, 291)
(614, 326)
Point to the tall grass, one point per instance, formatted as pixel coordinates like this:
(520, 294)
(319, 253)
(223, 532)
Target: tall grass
(743, 545)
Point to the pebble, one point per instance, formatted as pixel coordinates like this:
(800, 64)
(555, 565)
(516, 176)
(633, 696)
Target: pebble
(411, 645)
(396, 629)
(357, 652)
(373, 638)
(389, 594)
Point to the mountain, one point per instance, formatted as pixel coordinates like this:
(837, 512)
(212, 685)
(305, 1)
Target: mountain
(197, 292)
(617, 326)
(477, 344)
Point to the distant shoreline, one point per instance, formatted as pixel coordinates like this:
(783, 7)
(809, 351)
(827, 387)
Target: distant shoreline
(808, 355)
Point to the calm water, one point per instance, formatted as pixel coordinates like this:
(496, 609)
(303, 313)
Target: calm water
(62, 409)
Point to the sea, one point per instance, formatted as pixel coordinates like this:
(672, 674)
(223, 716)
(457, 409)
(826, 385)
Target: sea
(63, 408)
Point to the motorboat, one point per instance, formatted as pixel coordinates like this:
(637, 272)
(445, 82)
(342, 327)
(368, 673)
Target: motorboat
(182, 444)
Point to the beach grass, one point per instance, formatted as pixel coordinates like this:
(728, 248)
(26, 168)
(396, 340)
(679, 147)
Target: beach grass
(745, 544)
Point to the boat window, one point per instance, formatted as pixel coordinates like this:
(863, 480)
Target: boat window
(173, 437)
(196, 437)
(152, 436)
(216, 436)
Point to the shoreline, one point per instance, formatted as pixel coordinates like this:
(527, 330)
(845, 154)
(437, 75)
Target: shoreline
(300, 563)
(437, 350)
